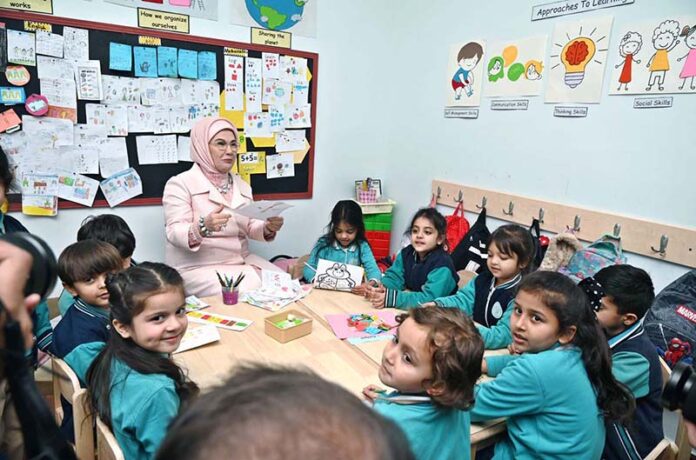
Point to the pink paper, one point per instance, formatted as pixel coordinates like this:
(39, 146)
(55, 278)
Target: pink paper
(180, 2)
(339, 324)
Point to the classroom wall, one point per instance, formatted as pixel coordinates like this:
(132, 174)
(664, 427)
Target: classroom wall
(380, 114)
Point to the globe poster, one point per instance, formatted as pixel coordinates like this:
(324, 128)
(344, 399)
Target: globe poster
(206, 9)
(295, 16)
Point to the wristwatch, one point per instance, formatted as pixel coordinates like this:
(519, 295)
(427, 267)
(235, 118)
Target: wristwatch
(202, 228)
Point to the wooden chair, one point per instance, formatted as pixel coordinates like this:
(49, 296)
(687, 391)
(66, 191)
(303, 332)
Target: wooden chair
(107, 446)
(67, 385)
(666, 449)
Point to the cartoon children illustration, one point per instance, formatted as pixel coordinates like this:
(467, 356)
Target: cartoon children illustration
(463, 78)
(664, 40)
(495, 69)
(628, 48)
(689, 69)
(533, 69)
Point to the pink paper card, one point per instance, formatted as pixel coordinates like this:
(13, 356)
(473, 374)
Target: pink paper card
(186, 3)
(340, 324)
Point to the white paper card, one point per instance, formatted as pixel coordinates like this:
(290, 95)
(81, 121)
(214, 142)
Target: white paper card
(337, 276)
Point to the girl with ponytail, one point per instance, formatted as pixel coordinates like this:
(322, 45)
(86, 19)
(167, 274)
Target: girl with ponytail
(134, 386)
(557, 390)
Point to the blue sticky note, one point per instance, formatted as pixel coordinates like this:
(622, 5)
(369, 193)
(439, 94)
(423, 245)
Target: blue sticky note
(11, 95)
(145, 61)
(166, 62)
(207, 65)
(188, 64)
(120, 57)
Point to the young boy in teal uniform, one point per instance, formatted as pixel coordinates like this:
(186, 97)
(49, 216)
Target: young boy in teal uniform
(433, 363)
(621, 295)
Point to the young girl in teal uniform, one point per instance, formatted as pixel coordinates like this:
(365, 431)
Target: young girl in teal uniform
(134, 385)
(558, 392)
(488, 297)
(433, 364)
(344, 242)
(423, 270)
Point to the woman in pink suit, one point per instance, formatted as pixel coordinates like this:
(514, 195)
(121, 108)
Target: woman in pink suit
(204, 234)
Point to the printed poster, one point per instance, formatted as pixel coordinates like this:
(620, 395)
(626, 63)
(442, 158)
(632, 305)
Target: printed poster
(654, 57)
(297, 16)
(578, 56)
(515, 67)
(465, 74)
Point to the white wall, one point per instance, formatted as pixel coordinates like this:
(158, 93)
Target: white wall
(380, 114)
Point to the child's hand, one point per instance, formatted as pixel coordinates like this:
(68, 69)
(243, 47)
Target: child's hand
(484, 366)
(377, 296)
(513, 350)
(428, 304)
(371, 392)
(360, 290)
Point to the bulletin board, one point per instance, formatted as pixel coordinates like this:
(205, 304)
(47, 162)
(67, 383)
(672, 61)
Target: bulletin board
(154, 177)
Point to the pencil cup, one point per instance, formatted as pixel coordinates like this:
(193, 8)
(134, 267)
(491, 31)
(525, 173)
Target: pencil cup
(230, 297)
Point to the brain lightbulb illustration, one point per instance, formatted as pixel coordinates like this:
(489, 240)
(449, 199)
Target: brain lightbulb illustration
(575, 56)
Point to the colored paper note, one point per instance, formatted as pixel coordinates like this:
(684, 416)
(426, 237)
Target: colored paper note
(167, 62)
(120, 57)
(11, 95)
(9, 121)
(188, 63)
(207, 65)
(145, 61)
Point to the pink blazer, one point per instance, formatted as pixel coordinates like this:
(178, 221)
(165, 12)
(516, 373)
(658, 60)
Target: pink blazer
(190, 195)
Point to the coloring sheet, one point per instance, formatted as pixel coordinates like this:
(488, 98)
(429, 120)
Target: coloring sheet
(121, 187)
(156, 149)
(51, 132)
(139, 119)
(75, 44)
(293, 69)
(77, 188)
(515, 67)
(280, 165)
(183, 148)
(120, 90)
(55, 68)
(21, 47)
(577, 60)
(88, 77)
(298, 116)
(277, 118)
(252, 84)
(465, 73)
(60, 93)
(49, 43)
(271, 65)
(287, 141)
(276, 92)
(257, 124)
(120, 57)
(113, 156)
(188, 63)
(654, 57)
(114, 117)
(337, 276)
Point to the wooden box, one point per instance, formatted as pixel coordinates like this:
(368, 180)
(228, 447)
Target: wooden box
(286, 334)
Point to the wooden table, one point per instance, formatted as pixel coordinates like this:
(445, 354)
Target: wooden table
(351, 366)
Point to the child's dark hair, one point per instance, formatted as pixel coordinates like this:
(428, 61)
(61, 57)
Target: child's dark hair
(128, 292)
(457, 351)
(265, 412)
(85, 259)
(571, 307)
(629, 287)
(470, 50)
(110, 228)
(347, 211)
(6, 177)
(435, 218)
(515, 240)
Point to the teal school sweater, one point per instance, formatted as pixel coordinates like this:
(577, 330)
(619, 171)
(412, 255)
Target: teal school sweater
(358, 253)
(550, 406)
(434, 433)
(142, 405)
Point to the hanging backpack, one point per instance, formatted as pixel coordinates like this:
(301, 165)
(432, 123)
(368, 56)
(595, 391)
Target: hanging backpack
(586, 262)
(539, 248)
(561, 249)
(671, 320)
(472, 251)
(457, 226)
